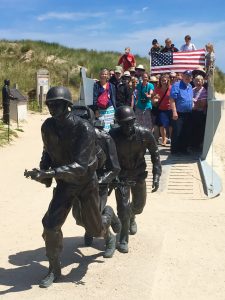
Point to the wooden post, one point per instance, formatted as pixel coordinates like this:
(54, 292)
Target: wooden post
(41, 98)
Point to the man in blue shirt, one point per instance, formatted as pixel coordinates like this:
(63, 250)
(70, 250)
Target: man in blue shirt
(181, 101)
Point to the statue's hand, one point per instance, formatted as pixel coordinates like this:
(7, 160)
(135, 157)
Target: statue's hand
(155, 183)
(39, 175)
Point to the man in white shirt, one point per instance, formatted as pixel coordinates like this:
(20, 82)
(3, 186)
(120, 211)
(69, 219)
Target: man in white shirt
(188, 46)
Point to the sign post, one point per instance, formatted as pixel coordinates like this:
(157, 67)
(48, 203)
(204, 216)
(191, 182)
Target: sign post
(43, 80)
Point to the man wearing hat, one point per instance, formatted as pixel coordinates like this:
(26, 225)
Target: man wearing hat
(155, 47)
(126, 77)
(154, 80)
(139, 71)
(132, 72)
(181, 100)
(123, 90)
(127, 60)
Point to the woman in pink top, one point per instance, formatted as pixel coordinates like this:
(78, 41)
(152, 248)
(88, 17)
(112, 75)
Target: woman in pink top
(161, 98)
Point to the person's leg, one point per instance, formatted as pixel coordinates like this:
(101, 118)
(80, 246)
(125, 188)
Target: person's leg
(194, 129)
(163, 135)
(170, 131)
(176, 134)
(186, 132)
(139, 195)
(52, 222)
(103, 195)
(96, 223)
(123, 209)
(6, 113)
(181, 133)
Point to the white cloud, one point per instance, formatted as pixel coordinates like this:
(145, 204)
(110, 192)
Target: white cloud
(120, 11)
(145, 8)
(68, 16)
(96, 37)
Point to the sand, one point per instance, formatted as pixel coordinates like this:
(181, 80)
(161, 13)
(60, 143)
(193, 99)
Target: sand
(178, 252)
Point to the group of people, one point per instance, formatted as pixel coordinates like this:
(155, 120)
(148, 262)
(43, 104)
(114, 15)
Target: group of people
(162, 102)
(87, 163)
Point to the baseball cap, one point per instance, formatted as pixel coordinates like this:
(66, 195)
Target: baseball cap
(154, 41)
(188, 73)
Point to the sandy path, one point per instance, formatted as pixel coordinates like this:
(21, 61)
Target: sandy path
(178, 252)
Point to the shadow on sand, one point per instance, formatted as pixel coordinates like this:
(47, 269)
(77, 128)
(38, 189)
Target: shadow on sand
(30, 271)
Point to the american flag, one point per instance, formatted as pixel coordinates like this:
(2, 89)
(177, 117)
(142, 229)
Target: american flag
(177, 61)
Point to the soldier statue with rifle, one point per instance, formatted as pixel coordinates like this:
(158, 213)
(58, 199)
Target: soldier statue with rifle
(69, 156)
(108, 169)
(132, 141)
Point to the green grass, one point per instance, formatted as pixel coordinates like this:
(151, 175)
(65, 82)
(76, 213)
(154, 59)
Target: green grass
(14, 67)
(5, 135)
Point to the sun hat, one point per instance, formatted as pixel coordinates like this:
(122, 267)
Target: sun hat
(126, 73)
(132, 69)
(153, 79)
(118, 69)
(140, 67)
(199, 71)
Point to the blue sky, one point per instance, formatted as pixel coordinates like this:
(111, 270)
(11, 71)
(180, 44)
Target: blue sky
(113, 25)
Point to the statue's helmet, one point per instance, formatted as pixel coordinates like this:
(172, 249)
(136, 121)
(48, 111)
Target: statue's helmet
(84, 112)
(124, 114)
(7, 82)
(59, 93)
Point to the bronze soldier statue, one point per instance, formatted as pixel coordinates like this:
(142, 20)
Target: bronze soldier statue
(69, 156)
(108, 169)
(132, 141)
(6, 96)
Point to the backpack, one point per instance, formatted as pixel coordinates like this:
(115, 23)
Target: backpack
(103, 98)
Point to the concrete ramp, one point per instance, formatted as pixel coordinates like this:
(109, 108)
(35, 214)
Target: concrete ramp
(180, 176)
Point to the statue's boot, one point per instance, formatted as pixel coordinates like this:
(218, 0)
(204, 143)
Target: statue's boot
(122, 246)
(53, 275)
(110, 243)
(88, 240)
(133, 225)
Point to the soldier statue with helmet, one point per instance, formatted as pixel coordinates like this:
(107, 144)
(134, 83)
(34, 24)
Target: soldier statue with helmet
(6, 96)
(69, 156)
(108, 169)
(132, 141)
